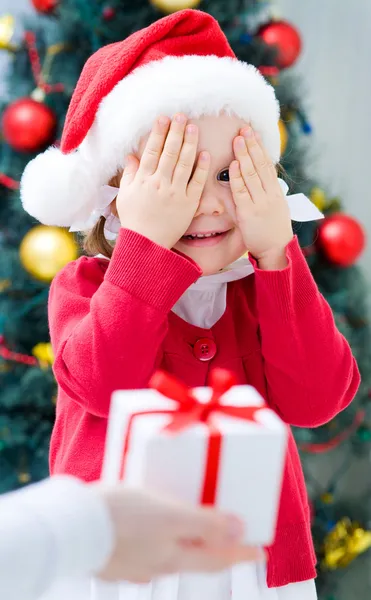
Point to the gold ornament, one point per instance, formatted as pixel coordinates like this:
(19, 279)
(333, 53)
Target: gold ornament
(318, 197)
(334, 205)
(283, 135)
(24, 477)
(46, 250)
(170, 6)
(288, 116)
(7, 26)
(327, 498)
(344, 543)
(4, 284)
(44, 354)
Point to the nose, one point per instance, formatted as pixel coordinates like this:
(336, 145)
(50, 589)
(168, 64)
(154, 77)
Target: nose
(210, 204)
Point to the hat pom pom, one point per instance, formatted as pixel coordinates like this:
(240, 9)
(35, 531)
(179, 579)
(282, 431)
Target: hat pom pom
(58, 188)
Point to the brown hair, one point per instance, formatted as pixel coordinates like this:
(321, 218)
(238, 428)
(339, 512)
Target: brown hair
(95, 242)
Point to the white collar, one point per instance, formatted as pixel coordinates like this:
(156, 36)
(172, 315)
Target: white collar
(205, 301)
(238, 270)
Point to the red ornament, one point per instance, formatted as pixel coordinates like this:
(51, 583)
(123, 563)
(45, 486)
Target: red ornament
(342, 239)
(45, 6)
(28, 125)
(285, 38)
(108, 13)
(9, 183)
(269, 71)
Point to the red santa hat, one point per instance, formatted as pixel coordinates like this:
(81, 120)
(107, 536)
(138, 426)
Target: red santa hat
(182, 62)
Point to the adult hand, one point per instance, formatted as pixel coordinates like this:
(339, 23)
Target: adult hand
(157, 536)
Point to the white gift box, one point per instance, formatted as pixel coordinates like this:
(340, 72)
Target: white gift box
(243, 463)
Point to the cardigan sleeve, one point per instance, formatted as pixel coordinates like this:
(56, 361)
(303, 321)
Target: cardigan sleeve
(107, 328)
(310, 371)
(51, 530)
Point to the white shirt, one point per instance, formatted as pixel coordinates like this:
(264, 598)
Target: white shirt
(55, 529)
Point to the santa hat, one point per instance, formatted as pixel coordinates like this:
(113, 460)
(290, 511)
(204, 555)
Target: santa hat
(182, 62)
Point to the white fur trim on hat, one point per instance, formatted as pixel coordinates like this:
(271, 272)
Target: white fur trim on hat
(59, 189)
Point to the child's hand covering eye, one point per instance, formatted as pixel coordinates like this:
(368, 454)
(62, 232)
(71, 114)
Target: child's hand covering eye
(262, 211)
(159, 195)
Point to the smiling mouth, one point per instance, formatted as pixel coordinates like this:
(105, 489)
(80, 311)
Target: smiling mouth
(202, 236)
(205, 239)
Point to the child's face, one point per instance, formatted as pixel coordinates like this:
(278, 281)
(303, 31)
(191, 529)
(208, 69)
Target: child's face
(216, 210)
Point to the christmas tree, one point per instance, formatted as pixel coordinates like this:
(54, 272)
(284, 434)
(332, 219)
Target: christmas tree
(46, 60)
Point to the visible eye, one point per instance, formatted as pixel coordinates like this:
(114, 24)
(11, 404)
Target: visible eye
(223, 175)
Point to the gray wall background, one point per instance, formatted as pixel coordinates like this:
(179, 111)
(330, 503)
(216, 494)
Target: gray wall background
(16, 8)
(336, 73)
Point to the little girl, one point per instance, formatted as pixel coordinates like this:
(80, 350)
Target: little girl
(197, 189)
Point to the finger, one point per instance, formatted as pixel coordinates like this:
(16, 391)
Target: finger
(241, 194)
(248, 169)
(272, 166)
(131, 168)
(187, 157)
(154, 146)
(259, 158)
(259, 140)
(204, 526)
(141, 578)
(207, 561)
(172, 147)
(199, 177)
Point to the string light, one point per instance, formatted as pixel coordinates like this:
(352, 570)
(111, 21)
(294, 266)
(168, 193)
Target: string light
(17, 357)
(8, 182)
(4, 284)
(314, 448)
(37, 69)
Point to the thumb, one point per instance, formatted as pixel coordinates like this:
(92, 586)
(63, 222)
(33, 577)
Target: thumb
(131, 167)
(211, 528)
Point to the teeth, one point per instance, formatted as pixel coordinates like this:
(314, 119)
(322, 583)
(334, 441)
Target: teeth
(201, 236)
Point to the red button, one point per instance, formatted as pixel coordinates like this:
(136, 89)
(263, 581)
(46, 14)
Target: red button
(204, 349)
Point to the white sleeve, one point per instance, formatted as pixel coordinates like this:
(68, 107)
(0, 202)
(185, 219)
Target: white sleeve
(56, 528)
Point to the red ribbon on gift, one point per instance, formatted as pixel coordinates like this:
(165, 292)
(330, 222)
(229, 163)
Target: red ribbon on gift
(190, 411)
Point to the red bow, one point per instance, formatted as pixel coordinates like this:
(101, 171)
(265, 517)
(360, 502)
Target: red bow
(190, 411)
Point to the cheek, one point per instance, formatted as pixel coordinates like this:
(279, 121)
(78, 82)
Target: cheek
(236, 247)
(229, 204)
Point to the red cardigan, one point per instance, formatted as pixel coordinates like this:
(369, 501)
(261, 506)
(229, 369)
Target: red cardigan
(111, 326)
